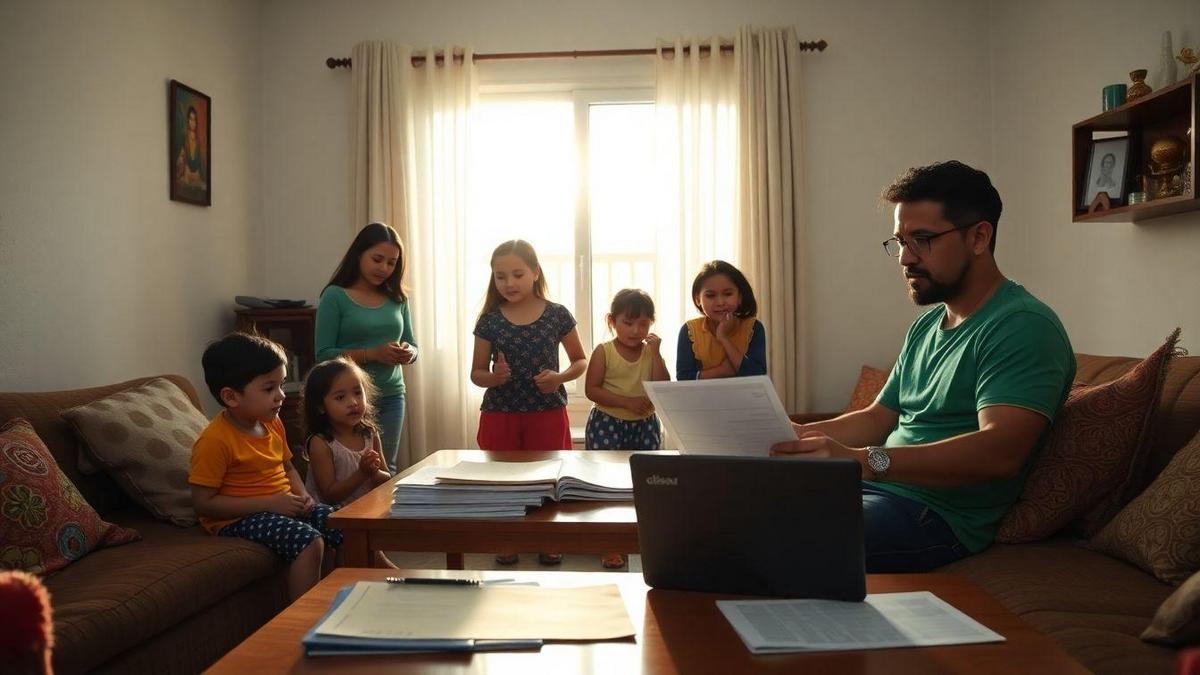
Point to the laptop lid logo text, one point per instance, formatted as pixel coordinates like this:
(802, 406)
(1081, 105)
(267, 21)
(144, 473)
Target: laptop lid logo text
(662, 480)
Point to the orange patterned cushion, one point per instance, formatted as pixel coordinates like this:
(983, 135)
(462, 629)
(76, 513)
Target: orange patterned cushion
(1159, 531)
(45, 524)
(870, 383)
(1097, 446)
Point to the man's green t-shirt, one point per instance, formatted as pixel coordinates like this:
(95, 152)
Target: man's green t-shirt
(1012, 351)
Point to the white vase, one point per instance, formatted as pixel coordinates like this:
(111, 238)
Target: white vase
(1168, 72)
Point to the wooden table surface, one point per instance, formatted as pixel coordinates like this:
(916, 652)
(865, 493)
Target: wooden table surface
(677, 632)
(567, 527)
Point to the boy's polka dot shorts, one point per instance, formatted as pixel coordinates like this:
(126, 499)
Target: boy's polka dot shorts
(285, 536)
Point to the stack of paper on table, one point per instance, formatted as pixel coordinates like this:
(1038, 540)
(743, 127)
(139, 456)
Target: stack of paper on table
(882, 620)
(374, 617)
(506, 489)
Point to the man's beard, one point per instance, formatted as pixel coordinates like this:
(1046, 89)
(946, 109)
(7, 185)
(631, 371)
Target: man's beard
(935, 291)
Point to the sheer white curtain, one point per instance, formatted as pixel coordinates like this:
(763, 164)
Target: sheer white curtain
(411, 138)
(770, 196)
(696, 157)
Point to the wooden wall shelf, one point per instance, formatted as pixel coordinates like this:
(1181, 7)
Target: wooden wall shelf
(1170, 111)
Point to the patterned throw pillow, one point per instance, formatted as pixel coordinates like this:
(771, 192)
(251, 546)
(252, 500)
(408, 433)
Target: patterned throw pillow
(1177, 621)
(870, 383)
(143, 437)
(1097, 446)
(1159, 531)
(45, 524)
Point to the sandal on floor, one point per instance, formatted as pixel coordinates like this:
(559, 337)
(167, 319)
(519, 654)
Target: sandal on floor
(550, 558)
(613, 561)
(507, 558)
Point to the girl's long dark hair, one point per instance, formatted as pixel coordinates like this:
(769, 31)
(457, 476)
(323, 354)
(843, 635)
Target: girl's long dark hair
(348, 270)
(316, 387)
(748, 306)
(523, 250)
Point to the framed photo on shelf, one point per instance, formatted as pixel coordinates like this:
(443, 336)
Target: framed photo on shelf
(1106, 169)
(190, 124)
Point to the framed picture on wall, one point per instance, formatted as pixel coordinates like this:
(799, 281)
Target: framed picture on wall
(190, 120)
(1106, 170)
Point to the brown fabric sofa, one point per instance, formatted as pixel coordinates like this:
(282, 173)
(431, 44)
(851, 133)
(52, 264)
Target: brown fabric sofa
(1094, 605)
(174, 602)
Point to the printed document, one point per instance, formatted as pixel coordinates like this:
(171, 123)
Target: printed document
(724, 416)
(435, 612)
(917, 619)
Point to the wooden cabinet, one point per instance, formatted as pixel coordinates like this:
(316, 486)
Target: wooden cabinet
(1169, 113)
(293, 329)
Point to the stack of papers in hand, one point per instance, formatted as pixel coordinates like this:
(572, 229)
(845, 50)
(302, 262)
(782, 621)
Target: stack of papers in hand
(506, 489)
(378, 618)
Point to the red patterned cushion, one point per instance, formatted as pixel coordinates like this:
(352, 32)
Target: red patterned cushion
(1096, 448)
(45, 524)
(870, 383)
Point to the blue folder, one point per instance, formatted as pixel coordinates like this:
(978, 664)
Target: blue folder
(335, 645)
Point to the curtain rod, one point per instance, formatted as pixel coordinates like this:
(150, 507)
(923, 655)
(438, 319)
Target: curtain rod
(331, 63)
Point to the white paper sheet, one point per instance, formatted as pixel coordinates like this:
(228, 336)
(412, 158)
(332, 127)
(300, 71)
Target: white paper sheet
(727, 416)
(917, 619)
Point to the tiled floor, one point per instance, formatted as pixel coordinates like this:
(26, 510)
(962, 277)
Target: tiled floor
(529, 561)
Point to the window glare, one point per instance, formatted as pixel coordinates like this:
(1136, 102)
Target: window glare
(523, 187)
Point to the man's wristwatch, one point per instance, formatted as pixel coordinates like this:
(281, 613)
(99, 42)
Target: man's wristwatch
(879, 461)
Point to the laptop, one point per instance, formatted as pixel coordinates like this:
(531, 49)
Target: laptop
(750, 525)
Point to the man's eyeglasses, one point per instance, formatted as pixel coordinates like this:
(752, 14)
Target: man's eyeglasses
(920, 244)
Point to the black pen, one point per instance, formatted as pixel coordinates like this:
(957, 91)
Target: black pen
(433, 581)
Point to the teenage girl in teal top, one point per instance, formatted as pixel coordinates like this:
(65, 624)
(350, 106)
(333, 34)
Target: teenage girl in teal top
(364, 315)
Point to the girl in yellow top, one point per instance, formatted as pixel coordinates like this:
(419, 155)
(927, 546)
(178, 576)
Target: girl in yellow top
(623, 418)
(727, 341)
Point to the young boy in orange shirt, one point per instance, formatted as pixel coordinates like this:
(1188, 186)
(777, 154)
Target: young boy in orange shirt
(242, 477)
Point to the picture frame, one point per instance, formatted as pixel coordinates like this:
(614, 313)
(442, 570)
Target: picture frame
(189, 167)
(1108, 164)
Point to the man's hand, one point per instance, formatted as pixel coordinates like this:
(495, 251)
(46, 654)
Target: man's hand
(288, 504)
(816, 445)
(547, 381)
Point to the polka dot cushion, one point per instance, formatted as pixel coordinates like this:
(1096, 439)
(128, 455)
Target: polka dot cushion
(143, 438)
(45, 524)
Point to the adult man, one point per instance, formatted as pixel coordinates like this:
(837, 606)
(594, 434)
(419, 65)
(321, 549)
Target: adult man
(945, 448)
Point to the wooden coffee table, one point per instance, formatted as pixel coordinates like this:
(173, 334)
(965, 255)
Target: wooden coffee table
(567, 527)
(677, 632)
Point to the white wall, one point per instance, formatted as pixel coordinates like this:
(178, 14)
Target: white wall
(1119, 288)
(102, 277)
(902, 84)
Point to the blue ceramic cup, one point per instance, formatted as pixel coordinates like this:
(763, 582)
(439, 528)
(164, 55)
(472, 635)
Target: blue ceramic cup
(1112, 96)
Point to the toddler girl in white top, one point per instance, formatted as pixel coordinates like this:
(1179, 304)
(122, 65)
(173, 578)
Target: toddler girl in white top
(344, 450)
